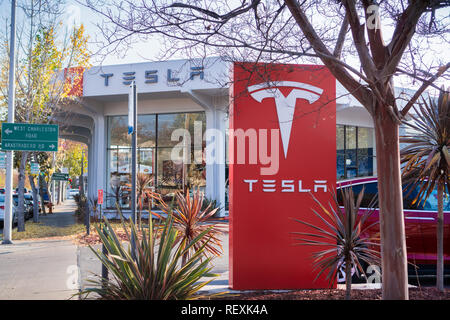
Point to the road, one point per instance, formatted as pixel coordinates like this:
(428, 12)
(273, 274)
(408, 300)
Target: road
(38, 270)
(41, 269)
(57, 269)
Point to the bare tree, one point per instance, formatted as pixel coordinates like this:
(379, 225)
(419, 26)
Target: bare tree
(366, 45)
(44, 51)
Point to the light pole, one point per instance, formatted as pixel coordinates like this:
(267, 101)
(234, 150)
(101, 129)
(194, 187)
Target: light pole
(132, 128)
(7, 225)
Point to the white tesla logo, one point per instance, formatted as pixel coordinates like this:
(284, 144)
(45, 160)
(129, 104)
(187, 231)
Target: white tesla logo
(285, 105)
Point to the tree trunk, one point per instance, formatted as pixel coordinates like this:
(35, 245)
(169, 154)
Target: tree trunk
(41, 193)
(440, 238)
(35, 199)
(348, 279)
(21, 198)
(392, 225)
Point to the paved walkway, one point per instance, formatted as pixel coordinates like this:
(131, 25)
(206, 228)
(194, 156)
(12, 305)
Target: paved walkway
(38, 270)
(57, 269)
(62, 216)
(42, 270)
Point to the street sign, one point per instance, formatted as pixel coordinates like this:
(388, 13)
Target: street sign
(30, 137)
(100, 196)
(57, 176)
(64, 170)
(2, 160)
(34, 168)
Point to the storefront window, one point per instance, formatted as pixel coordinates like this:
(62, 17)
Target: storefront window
(156, 152)
(354, 151)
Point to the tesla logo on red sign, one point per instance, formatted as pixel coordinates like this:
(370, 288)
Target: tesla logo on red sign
(282, 149)
(285, 105)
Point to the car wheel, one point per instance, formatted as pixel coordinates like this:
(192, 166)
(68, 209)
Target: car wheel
(356, 277)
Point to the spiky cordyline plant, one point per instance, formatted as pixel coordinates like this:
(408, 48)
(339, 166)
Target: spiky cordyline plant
(156, 273)
(191, 220)
(426, 160)
(143, 180)
(344, 236)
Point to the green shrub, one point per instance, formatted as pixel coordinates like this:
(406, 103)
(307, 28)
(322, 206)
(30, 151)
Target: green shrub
(344, 235)
(156, 272)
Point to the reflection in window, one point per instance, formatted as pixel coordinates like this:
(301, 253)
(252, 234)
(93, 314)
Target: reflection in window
(411, 202)
(354, 154)
(155, 154)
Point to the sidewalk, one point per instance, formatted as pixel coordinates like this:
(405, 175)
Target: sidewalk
(62, 216)
(57, 269)
(41, 270)
(38, 270)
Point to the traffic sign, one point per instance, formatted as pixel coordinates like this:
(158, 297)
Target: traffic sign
(2, 160)
(57, 176)
(30, 137)
(34, 168)
(100, 196)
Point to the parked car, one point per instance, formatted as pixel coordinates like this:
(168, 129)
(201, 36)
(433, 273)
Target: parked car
(2, 210)
(25, 190)
(28, 207)
(72, 192)
(29, 198)
(420, 225)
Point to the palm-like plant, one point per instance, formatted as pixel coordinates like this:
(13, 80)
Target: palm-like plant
(190, 220)
(143, 181)
(426, 160)
(156, 272)
(94, 206)
(345, 236)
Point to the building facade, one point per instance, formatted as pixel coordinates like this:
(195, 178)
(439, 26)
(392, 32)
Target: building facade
(192, 95)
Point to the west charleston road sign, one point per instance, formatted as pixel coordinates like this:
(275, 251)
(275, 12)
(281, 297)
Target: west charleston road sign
(30, 137)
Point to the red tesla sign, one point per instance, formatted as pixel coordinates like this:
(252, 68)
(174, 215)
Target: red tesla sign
(282, 149)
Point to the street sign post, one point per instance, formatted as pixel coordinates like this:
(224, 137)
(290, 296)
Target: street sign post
(100, 196)
(2, 160)
(57, 176)
(30, 137)
(34, 168)
(132, 129)
(7, 223)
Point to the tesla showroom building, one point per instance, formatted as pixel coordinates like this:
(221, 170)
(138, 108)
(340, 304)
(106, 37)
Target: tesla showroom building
(181, 94)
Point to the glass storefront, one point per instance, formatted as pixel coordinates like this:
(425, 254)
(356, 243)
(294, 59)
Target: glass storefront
(355, 152)
(156, 150)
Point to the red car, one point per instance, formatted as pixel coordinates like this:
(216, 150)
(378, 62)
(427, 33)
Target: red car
(420, 226)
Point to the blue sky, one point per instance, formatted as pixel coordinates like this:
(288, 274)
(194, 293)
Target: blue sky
(76, 13)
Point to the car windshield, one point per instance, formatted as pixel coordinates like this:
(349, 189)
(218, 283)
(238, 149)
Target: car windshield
(431, 203)
(409, 202)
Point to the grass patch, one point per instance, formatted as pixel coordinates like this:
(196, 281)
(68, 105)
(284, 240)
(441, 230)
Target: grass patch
(39, 230)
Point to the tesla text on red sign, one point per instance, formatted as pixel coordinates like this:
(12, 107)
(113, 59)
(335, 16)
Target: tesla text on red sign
(282, 151)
